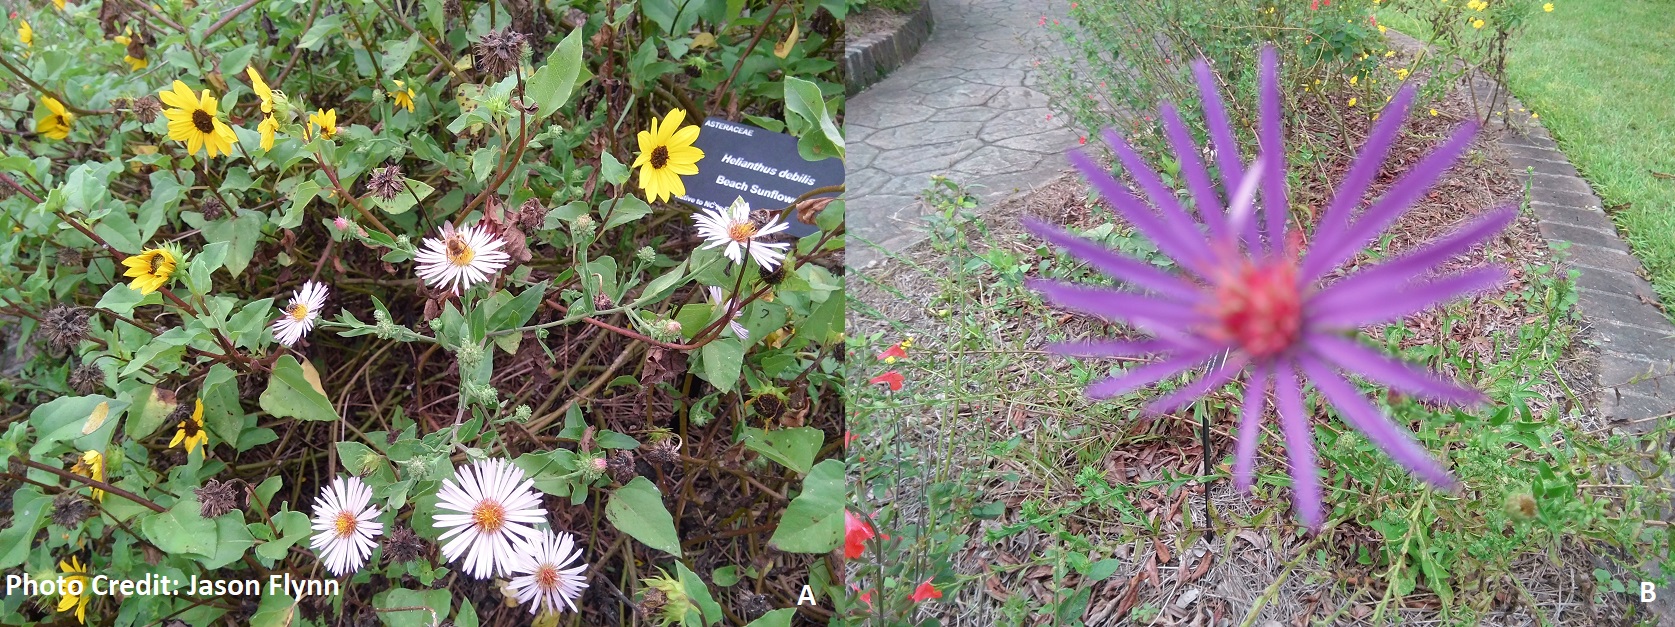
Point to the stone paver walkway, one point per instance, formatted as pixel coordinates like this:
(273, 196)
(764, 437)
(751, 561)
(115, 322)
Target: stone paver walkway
(966, 107)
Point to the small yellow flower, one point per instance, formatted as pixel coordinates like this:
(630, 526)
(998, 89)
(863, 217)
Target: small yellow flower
(1433, 113)
(1401, 73)
(1389, 53)
(261, 88)
(1533, 115)
(150, 269)
(92, 466)
(52, 119)
(403, 96)
(326, 120)
(1547, 7)
(75, 571)
(1477, 23)
(1351, 102)
(59, 4)
(1381, 29)
(267, 129)
(191, 432)
(193, 119)
(1354, 79)
(25, 34)
(135, 65)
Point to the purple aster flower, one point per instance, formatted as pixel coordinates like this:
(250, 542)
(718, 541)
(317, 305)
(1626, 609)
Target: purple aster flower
(1251, 302)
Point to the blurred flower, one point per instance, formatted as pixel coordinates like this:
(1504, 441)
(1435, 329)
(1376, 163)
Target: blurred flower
(545, 577)
(1477, 23)
(1547, 7)
(724, 305)
(856, 532)
(461, 258)
(75, 571)
(1351, 102)
(268, 127)
(403, 95)
(25, 34)
(326, 120)
(666, 154)
(191, 431)
(734, 227)
(59, 4)
(261, 88)
(300, 315)
(135, 54)
(150, 269)
(498, 507)
(891, 378)
(344, 525)
(925, 592)
(192, 119)
(895, 351)
(92, 466)
(54, 121)
(1249, 300)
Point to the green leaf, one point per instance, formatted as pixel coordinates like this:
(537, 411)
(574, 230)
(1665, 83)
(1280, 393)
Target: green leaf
(725, 576)
(396, 54)
(151, 412)
(723, 359)
(552, 85)
(181, 530)
(622, 211)
(28, 506)
(793, 448)
(613, 171)
(224, 416)
(700, 594)
(823, 325)
(64, 419)
(517, 313)
(637, 510)
(293, 527)
(777, 618)
(301, 196)
(232, 540)
(819, 136)
(404, 201)
(439, 601)
(813, 522)
(291, 394)
(276, 610)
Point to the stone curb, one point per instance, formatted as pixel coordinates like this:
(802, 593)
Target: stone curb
(870, 59)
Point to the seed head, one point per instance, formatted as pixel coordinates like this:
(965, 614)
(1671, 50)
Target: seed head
(65, 326)
(213, 208)
(70, 258)
(499, 52)
(87, 379)
(621, 467)
(664, 452)
(402, 545)
(386, 183)
(147, 108)
(216, 497)
(753, 605)
(70, 509)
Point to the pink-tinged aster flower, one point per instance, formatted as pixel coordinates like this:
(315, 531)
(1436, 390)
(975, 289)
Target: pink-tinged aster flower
(1251, 301)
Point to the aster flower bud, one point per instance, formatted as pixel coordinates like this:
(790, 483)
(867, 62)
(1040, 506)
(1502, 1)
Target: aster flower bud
(646, 254)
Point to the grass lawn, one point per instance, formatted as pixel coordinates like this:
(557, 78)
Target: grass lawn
(1598, 73)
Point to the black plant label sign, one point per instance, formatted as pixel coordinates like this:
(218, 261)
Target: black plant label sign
(758, 165)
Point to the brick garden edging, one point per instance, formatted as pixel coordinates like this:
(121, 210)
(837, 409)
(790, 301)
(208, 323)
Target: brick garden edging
(871, 58)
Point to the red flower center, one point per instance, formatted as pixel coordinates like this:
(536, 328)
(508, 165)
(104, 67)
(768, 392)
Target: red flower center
(1259, 308)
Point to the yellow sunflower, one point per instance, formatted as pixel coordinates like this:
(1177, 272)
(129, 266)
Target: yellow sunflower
(25, 34)
(150, 269)
(666, 154)
(135, 64)
(59, 4)
(403, 96)
(92, 466)
(75, 571)
(262, 90)
(191, 432)
(326, 120)
(267, 129)
(192, 119)
(52, 120)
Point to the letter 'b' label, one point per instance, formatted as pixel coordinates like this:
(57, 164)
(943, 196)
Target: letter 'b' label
(1648, 593)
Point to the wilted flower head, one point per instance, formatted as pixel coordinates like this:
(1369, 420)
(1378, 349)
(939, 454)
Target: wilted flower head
(1251, 300)
(216, 498)
(64, 325)
(87, 378)
(386, 183)
(499, 52)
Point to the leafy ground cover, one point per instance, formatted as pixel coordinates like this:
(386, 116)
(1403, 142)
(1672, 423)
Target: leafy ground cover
(397, 296)
(1593, 73)
(986, 474)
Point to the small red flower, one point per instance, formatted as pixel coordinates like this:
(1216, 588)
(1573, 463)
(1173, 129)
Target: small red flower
(1083, 140)
(848, 437)
(925, 592)
(895, 352)
(867, 598)
(1043, 21)
(891, 378)
(856, 532)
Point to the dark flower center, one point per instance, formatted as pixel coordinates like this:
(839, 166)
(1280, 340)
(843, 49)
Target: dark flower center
(203, 121)
(190, 427)
(659, 157)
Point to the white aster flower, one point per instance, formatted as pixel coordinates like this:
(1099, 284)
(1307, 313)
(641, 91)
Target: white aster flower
(301, 314)
(742, 235)
(344, 522)
(498, 507)
(724, 305)
(461, 258)
(545, 576)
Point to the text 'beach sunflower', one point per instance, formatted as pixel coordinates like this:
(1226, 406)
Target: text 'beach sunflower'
(301, 313)
(1251, 300)
(344, 525)
(666, 154)
(193, 119)
(497, 510)
(742, 233)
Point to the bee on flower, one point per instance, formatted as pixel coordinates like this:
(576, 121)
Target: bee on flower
(461, 258)
(152, 268)
(301, 313)
(742, 234)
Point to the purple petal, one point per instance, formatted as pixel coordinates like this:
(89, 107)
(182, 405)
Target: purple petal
(1192, 169)
(1354, 185)
(1328, 254)
(1180, 225)
(1250, 427)
(1221, 132)
(1415, 298)
(1351, 356)
(1136, 378)
(1272, 152)
(1133, 210)
(1370, 422)
(1127, 307)
(1119, 267)
(1299, 446)
(1378, 280)
(1192, 391)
